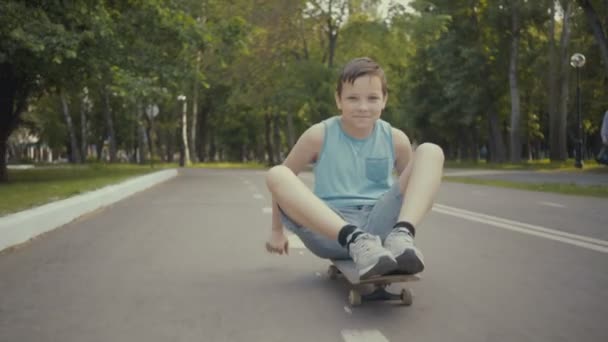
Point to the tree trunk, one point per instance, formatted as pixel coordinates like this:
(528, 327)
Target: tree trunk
(497, 146)
(564, 84)
(277, 137)
(151, 134)
(598, 31)
(170, 146)
(267, 136)
(75, 155)
(212, 147)
(193, 135)
(142, 141)
(554, 141)
(83, 127)
(202, 138)
(291, 136)
(184, 126)
(4, 134)
(13, 95)
(109, 124)
(515, 140)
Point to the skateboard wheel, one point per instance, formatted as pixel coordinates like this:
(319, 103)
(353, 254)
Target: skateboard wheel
(406, 297)
(354, 298)
(332, 272)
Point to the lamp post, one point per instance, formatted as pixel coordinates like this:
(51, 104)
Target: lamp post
(577, 61)
(184, 159)
(151, 112)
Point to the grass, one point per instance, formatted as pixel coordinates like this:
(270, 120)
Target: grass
(32, 187)
(564, 189)
(227, 165)
(46, 183)
(535, 165)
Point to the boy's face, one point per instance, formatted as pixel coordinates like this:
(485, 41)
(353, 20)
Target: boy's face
(362, 102)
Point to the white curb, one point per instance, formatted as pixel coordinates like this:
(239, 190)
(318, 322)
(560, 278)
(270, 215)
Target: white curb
(22, 226)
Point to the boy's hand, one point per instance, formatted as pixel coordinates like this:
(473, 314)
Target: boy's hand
(277, 243)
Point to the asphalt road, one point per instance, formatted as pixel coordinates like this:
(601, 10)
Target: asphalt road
(525, 176)
(184, 261)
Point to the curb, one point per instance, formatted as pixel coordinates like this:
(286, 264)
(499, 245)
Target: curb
(20, 227)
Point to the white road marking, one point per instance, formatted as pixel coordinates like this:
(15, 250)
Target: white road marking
(551, 204)
(348, 310)
(551, 234)
(318, 274)
(258, 196)
(267, 210)
(363, 335)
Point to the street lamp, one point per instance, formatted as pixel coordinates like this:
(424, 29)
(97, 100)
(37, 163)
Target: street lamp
(577, 61)
(184, 159)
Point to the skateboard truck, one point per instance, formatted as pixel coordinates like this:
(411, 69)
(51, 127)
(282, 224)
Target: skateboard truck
(380, 293)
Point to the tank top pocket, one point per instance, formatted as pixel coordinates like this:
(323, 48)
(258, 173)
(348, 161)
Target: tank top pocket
(376, 169)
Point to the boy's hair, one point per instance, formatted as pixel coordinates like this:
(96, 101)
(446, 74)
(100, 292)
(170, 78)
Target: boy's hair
(362, 66)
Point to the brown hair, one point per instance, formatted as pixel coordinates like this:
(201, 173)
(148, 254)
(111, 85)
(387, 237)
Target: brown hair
(362, 66)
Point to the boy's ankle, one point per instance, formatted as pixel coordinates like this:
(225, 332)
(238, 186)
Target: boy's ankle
(406, 225)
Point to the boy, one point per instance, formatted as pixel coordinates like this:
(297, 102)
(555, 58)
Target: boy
(356, 209)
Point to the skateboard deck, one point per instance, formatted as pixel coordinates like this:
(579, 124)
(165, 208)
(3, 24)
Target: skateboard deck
(347, 269)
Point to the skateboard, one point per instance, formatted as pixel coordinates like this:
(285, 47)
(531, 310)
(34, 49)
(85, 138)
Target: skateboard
(346, 268)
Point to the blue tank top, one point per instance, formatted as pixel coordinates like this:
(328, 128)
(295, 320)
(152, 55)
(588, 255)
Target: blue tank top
(352, 171)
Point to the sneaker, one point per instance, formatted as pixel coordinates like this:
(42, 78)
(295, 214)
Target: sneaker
(401, 245)
(371, 259)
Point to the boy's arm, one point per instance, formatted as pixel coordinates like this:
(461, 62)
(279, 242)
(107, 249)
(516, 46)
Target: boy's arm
(403, 150)
(305, 151)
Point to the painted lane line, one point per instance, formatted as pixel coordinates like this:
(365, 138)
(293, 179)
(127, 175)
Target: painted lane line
(348, 310)
(258, 196)
(267, 210)
(551, 204)
(525, 225)
(363, 336)
(572, 239)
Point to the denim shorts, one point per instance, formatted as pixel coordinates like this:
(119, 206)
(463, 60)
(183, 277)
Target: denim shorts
(377, 219)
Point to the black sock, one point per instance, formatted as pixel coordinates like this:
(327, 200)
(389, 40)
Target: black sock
(407, 225)
(348, 234)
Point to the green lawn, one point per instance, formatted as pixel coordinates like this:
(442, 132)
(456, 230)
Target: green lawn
(33, 187)
(565, 189)
(227, 165)
(536, 165)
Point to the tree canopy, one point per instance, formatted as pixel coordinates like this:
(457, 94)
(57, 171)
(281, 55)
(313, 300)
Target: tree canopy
(483, 79)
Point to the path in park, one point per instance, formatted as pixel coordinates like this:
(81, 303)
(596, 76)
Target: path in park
(184, 261)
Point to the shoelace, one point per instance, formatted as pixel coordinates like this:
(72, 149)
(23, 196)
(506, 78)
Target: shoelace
(363, 249)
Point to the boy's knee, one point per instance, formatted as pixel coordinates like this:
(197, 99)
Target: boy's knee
(430, 150)
(275, 174)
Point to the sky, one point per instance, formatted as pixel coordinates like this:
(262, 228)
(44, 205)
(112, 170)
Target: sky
(384, 5)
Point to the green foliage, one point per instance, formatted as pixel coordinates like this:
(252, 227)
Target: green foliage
(446, 62)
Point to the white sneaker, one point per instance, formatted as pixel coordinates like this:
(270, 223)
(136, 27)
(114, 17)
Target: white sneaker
(401, 245)
(371, 259)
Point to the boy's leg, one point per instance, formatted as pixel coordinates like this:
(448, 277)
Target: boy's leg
(419, 184)
(302, 206)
